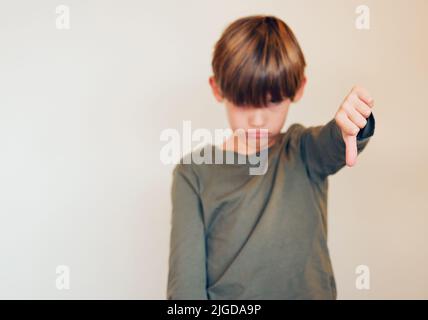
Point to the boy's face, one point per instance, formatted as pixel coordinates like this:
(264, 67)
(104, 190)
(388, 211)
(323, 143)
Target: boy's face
(271, 118)
(245, 118)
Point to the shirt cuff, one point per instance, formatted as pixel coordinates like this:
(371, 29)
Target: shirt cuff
(368, 130)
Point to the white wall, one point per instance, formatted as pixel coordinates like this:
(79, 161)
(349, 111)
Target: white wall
(81, 112)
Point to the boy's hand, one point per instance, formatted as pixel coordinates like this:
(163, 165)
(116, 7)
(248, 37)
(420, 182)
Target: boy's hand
(351, 117)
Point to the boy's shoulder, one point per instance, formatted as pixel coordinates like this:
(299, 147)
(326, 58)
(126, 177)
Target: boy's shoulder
(188, 162)
(292, 137)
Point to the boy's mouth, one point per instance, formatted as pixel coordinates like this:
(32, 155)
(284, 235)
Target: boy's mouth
(258, 134)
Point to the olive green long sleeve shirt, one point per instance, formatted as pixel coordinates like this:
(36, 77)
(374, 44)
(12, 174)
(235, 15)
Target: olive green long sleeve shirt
(241, 236)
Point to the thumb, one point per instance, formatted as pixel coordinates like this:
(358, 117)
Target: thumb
(351, 149)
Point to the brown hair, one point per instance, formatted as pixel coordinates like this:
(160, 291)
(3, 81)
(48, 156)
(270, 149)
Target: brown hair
(257, 58)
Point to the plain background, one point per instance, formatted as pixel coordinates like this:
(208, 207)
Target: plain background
(81, 112)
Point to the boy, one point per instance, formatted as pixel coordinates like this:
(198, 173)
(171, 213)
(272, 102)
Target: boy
(241, 236)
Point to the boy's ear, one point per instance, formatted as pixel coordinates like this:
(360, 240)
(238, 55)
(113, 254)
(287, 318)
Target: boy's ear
(299, 92)
(216, 90)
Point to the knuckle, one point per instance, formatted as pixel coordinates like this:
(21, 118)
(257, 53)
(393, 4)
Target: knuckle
(341, 120)
(353, 97)
(350, 131)
(355, 131)
(363, 123)
(347, 105)
(338, 117)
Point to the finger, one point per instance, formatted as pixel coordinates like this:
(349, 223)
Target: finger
(346, 125)
(363, 108)
(349, 134)
(355, 116)
(364, 95)
(351, 150)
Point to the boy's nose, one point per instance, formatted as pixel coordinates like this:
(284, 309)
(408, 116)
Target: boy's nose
(257, 119)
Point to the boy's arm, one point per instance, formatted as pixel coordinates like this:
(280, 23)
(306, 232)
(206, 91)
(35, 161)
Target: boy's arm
(323, 148)
(187, 258)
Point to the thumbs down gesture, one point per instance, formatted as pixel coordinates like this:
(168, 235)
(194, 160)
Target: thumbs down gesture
(351, 117)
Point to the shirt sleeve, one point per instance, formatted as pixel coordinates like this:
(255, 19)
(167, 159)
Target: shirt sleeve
(187, 258)
(323, 149)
